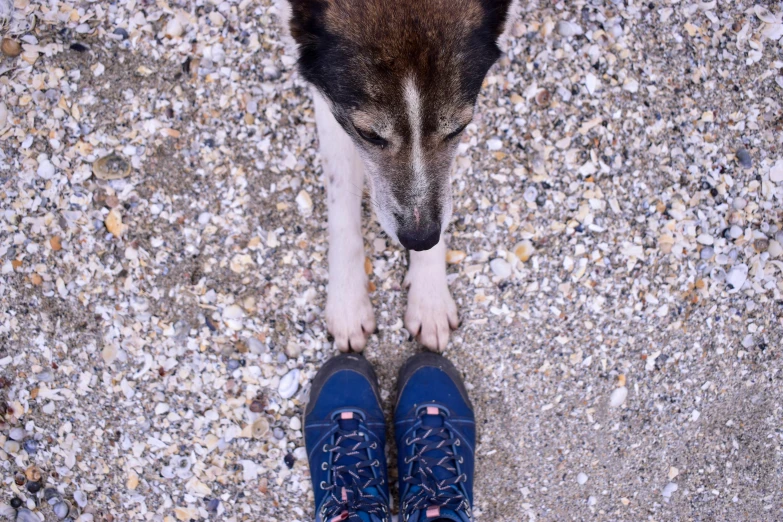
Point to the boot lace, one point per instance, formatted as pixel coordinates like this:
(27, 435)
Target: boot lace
(350, 467)
(431, 448)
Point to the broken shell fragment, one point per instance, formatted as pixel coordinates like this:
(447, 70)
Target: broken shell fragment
(111, 167)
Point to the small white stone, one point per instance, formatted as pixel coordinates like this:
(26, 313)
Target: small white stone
(17, 434)
(618, 397)
(305, 203)
(736, 277)
(45, 169)
(705, 239)
(668, 490)
(289, 384)
(566, 28)
(581, 479)
(591, 83)
(232, 316)
(233, 312)
(3, 114)
(631, 85)
(500, 267)
(300, 453)
(295, 424)
(739, 203)
(255, 346)
(161, 408)
(776, 172)
(174, 28)
(775, 249)
(673, 472)
(494, 144)
(249, 470)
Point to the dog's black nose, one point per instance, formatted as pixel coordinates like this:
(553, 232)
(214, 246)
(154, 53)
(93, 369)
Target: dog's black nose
(420, 239)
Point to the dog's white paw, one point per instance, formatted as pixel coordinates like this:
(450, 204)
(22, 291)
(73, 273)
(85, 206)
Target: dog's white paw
(349, 317)
(431, 313)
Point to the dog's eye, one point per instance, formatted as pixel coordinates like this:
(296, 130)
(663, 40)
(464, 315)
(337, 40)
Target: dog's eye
(456, 133)
(370, 136)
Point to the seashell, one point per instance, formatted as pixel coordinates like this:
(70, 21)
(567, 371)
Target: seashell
(80, 498)
(289, 384)
(736, 277)
(543, 98)
(22, 25)
(33, 473)
(62, 509)
(25, 515)
(260, 428)
(11, 48)
(765, 15)
(111, 167)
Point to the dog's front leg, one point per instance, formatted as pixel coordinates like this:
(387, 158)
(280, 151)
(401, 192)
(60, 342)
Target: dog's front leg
(431, 313)
(349, 314)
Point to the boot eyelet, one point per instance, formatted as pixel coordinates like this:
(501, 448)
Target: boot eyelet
(456, 443)
(326, 448)
(408, 441)
(374, 445)
(323, 485)
(324, 466)
(376, 463)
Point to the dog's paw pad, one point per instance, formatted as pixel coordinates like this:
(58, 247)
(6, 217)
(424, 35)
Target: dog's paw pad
(350, 319)
(431, 314)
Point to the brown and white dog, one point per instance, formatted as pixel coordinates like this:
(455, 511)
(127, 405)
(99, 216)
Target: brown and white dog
(394, 83)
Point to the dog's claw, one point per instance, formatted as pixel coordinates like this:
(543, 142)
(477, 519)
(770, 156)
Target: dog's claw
(350, 319)
(431, 313)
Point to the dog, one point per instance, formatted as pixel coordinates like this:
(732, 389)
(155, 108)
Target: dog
(394, 85)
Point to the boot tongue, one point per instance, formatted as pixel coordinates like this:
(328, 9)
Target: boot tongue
(434, 420)
(348, 424)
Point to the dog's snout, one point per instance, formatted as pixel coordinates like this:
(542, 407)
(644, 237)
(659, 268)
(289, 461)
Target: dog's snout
(420, 238)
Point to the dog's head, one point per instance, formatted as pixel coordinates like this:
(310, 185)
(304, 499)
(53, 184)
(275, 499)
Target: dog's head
(401, 77)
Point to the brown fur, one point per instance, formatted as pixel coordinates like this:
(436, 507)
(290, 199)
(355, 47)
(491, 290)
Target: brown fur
(361, 53)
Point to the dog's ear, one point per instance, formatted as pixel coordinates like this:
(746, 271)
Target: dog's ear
(305, 20)
(306, 26)
(501, 15)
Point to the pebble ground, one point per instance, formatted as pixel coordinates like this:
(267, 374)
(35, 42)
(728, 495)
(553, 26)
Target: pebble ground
(615, 253)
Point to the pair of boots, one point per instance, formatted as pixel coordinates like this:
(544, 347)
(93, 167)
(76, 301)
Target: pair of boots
(345, 436)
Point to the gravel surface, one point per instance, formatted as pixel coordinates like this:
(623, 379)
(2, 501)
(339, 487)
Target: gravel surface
(616, 255)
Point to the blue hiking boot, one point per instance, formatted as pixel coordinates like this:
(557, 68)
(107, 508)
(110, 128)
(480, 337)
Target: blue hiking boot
(435, 431)
(345, 436)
